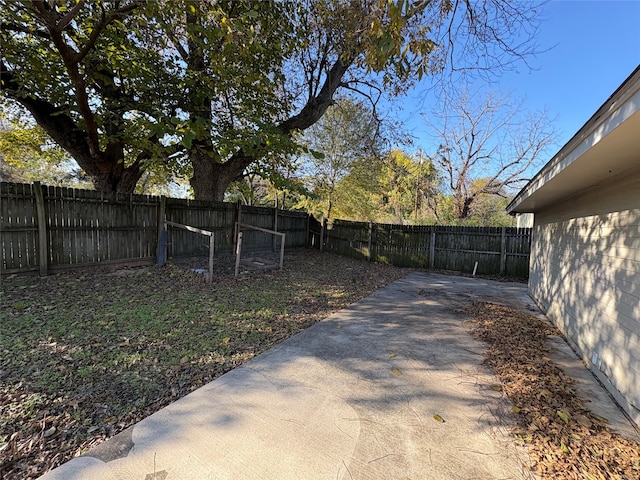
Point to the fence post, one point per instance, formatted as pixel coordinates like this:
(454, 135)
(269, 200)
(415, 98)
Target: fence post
(503, 250)
(43, 251)
(322, 229)
(161, 246)
(275, 229)
(432, 248)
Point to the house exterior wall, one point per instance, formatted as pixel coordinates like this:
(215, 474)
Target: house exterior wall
(524, 220)
(585, 274)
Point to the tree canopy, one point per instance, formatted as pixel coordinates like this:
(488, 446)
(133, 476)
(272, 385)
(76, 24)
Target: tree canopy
(124, 86)
(208, 88)
(346, 134)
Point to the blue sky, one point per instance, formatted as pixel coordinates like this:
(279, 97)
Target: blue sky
(593, 47)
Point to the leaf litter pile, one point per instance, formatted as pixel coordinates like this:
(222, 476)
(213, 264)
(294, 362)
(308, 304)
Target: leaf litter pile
(565, 440)
(86, 354)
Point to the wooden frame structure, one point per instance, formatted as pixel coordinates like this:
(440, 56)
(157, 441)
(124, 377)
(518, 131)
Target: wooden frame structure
(239, 226)
(162, 250)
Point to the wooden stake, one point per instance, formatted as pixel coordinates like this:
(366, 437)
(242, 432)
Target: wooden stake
(238, 250)
(211, 253)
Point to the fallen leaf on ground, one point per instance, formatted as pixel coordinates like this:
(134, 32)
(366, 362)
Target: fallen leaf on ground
(128, 342)
(517, 351)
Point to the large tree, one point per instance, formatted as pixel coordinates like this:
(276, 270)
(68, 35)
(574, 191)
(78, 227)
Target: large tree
(490, 138)
(215, 86)
(128, 85)
(72, 68)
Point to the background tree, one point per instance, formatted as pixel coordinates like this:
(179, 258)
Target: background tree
(405, 184)
(358, 193)
(489, 210)
(394, 187)
(489, 139)
(348, 132)
(27, 154)
(280, 188)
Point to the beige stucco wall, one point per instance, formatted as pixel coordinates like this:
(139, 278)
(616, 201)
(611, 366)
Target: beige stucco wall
(585, 273)
(524, 220)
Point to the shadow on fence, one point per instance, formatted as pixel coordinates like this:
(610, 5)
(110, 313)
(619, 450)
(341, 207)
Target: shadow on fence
(487, 250)
(44, 228)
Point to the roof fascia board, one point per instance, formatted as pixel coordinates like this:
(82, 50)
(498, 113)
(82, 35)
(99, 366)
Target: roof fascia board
(622, 104)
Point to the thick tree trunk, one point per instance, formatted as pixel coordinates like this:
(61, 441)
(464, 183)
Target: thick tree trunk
(210, 180)
(116, 178)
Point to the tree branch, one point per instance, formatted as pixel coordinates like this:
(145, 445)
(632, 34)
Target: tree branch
(316, 106)
(12, 27)
(71, 14)
(120, 12)
(55, 121)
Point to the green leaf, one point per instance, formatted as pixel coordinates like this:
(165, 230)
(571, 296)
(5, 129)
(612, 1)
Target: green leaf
(187, 139)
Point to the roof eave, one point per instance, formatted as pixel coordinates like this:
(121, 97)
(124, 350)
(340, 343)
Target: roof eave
(622, 106)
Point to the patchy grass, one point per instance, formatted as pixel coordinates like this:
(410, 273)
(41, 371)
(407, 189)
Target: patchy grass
(565, 440)
(85, 355)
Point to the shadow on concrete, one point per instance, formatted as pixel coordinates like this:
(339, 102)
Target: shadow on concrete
(391, 387)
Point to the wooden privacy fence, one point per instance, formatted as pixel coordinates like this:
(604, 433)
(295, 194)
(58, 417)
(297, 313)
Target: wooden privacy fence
(497, 250)
(45, 228)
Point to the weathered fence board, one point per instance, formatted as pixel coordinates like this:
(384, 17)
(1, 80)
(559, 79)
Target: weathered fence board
(19, 228)
(295, 224)
(217, 217)
(84, 227)
(497, 250)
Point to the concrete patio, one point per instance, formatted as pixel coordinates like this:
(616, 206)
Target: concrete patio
(357, 396)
